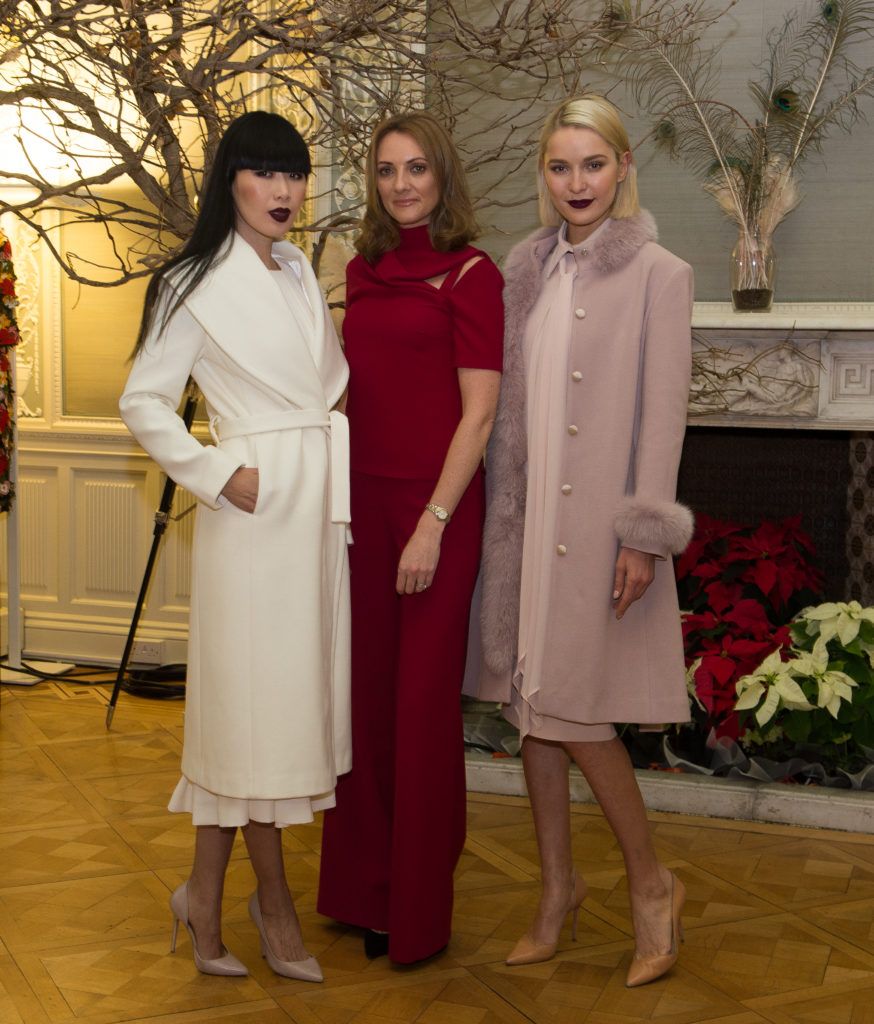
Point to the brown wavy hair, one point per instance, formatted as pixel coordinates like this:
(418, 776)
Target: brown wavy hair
(453, 224)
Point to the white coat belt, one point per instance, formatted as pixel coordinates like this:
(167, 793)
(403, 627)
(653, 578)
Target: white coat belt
(299, 419)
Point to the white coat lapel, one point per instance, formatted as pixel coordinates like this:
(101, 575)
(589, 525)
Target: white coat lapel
(324, 345)
(243, 311)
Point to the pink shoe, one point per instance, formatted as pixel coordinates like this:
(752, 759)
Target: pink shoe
(227, 964)
(302, 970)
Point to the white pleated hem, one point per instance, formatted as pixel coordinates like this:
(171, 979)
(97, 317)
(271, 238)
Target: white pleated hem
(207, 808)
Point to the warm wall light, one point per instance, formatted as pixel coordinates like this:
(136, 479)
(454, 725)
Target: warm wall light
(48, 139)
(26, 145)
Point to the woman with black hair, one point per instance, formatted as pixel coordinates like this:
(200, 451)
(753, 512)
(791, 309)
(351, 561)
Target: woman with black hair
(267, 714)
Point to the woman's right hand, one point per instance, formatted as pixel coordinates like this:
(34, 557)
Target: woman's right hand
(242, 489)
(419, 558)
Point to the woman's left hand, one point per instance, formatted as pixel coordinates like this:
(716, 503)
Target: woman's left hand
(635, 571)
(420, 557)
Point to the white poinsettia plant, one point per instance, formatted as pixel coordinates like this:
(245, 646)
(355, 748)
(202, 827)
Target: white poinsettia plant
(817, 692)
(837, 619)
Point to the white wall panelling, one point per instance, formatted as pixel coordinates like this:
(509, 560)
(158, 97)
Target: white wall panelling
(87, 519)
(106, 516)
(38, 498)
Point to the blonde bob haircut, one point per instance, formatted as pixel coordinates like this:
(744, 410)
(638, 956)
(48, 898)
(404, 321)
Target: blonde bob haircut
(598, 114)
(453, 224)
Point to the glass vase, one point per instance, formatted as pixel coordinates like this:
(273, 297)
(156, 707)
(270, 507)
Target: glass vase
(753, 268)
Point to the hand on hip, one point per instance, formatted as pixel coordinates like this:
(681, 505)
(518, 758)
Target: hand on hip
(242, 489)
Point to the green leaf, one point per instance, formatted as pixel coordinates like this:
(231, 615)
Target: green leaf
(797, 727)
(863, 732)
(866, 633)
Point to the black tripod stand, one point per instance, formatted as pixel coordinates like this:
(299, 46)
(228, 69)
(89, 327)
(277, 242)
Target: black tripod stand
(162, 517)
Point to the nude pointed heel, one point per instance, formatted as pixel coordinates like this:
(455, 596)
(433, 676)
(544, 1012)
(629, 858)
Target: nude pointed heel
(301, 970)
(527, 951)
(645, 969)
(227, 965)
(575, 913)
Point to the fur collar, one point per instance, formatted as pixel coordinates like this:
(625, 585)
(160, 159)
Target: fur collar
(615, 246)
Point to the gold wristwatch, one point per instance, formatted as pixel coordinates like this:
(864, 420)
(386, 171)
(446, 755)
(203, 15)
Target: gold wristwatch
(439, 512)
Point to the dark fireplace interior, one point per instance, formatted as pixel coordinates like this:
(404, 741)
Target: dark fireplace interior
(746, 475)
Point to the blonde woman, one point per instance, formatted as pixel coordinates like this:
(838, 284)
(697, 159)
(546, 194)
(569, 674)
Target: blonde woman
(580, 623)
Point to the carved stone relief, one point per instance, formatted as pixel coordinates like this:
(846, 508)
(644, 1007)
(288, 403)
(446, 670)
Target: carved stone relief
(766, 376)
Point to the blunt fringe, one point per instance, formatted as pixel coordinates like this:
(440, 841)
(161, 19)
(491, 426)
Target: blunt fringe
(589, 111)
(453, 224)
(255, 141)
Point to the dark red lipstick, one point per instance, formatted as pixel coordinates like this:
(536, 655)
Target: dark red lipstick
(280, 214)
(580, 204)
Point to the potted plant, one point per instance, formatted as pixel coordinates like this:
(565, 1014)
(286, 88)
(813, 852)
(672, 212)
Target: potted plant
(816, 698)
(739, 585)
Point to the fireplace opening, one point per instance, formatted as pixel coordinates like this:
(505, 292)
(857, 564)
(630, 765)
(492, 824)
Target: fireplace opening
(746, 475)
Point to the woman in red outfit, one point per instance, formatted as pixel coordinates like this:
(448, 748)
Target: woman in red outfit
(423, 332)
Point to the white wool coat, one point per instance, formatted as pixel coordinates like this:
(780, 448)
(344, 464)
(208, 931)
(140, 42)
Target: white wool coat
(625, 399)
(267, 697)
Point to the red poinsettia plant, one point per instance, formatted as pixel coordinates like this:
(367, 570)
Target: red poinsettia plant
(739, 587)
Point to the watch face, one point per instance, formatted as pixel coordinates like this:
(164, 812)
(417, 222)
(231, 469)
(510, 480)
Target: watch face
(442, 514)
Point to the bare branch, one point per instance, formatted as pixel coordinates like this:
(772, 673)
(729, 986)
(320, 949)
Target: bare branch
(120, 104)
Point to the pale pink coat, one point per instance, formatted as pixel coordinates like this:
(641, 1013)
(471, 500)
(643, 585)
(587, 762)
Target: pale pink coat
(626, 395)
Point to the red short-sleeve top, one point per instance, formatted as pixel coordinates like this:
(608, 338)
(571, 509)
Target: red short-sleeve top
(405, 341)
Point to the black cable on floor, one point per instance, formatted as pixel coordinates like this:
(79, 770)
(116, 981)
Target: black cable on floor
(167, 682)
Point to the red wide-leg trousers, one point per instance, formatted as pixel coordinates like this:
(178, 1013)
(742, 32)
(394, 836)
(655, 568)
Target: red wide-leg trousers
(391, 844)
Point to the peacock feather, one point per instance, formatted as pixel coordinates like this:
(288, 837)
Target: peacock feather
(808, 86)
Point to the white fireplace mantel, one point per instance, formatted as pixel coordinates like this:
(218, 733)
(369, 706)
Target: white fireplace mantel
(805, 365)
(783, 316)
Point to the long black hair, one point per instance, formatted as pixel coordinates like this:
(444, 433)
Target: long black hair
(256, 141)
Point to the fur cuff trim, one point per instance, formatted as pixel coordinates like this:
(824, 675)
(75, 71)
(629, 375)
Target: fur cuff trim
(648, 524)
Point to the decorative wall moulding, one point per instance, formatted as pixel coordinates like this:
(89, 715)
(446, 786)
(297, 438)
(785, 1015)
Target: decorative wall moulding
(847, 385)
(808, 316)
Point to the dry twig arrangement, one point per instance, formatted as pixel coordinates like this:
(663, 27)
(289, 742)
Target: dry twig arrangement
(808, 86)
(118, 105)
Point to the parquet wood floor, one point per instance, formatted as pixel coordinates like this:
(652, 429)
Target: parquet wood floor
(779, 920)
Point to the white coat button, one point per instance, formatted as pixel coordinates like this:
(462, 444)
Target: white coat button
(579, 313)
(584, 252)
(576, 376)
(573, 430)
(561, 550)
(566, 488)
